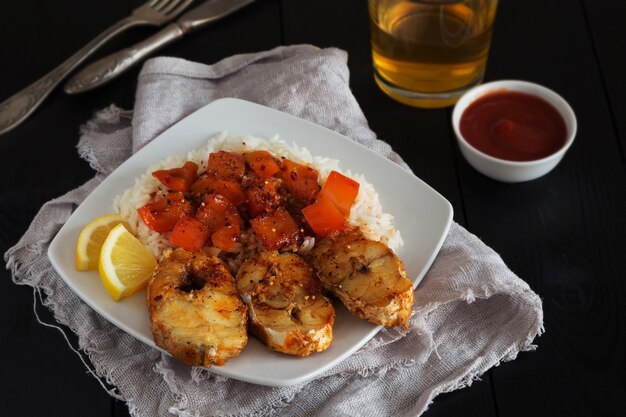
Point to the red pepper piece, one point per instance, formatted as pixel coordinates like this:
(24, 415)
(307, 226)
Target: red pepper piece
(301, 181)
(216, 211)
(341, 190)
(189, 234)
(162, 215)
(262, 198)
(276, 229)
(226, 238)
(178, 179)
(262, 163)
(210, 185)
(226, 165)
(324, 217)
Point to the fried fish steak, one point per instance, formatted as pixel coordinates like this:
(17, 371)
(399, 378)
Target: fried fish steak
(195, 312)
(286, 307)
(366, 276)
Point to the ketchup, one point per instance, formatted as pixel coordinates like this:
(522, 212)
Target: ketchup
(514, 126)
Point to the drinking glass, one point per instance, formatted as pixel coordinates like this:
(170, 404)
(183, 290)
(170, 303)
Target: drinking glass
(427, 53)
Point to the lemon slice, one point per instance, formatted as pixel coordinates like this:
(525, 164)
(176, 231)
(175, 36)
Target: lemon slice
(125, 264)
(91, 239)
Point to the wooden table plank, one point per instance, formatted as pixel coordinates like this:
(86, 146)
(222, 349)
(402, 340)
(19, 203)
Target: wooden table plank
(562, 233)
(607, 29)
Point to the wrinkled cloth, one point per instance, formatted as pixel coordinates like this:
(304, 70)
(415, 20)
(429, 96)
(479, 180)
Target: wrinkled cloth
(471, 312)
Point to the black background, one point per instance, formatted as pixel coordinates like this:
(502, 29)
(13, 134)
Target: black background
(564, 233)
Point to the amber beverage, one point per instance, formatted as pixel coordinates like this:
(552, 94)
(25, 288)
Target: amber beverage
(427, 53)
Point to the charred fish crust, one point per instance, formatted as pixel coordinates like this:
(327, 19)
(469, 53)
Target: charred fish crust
(294, 313)
(366, 276)
(362, 268)
(192, 283)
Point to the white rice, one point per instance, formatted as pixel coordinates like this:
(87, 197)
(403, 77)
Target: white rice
(366, 214)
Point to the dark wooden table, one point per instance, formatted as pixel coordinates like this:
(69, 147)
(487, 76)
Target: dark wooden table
(564, 233)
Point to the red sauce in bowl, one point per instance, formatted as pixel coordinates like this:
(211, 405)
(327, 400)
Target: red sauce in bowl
(514, 126)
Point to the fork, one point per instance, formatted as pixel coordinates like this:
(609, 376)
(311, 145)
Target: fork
(17, 108)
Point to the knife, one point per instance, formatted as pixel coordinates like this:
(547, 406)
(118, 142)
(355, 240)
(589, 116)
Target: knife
(108, 68)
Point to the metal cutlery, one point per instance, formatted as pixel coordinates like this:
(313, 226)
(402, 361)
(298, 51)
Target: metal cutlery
(108, 68)
(17, 108)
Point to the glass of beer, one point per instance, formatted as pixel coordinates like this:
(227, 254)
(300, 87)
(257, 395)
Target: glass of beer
(427, 53)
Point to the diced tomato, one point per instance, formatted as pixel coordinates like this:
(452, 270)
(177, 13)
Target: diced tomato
(216, 211)
(226, 166)
(261, 198)
(301, 181)
(210, 185)
(323, 217)
(162, 215)
(262, 163)
(178, 179)
(189, 234)
(226, 238)
(276, 229)
(341, 190)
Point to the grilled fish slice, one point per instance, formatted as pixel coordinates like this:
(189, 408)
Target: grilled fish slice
(366, 276)
(195, 312)
(286, 307)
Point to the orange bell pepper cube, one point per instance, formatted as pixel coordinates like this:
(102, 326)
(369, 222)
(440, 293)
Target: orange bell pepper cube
(189, 234)
(261, 198)
(162, 215)
(341, 190)
(276, 229)
(262, 163)
(324, 217)
(210, 185)
(301, 181)
(226, 165)
(222, 219)
(178, 179)
(226, 238)
(216, 212)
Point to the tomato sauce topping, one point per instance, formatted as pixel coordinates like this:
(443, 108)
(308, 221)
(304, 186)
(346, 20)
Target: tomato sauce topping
(513, 126)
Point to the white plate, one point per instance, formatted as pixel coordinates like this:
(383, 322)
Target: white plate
(421, 214)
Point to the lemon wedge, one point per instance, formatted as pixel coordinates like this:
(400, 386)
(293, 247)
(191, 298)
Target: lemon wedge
(91, 239)
(125, 264)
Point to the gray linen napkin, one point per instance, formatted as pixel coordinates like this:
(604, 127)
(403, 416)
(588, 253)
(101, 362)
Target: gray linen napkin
(471, 311)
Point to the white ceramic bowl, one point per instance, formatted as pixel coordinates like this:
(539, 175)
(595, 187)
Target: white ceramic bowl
(502, 169)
